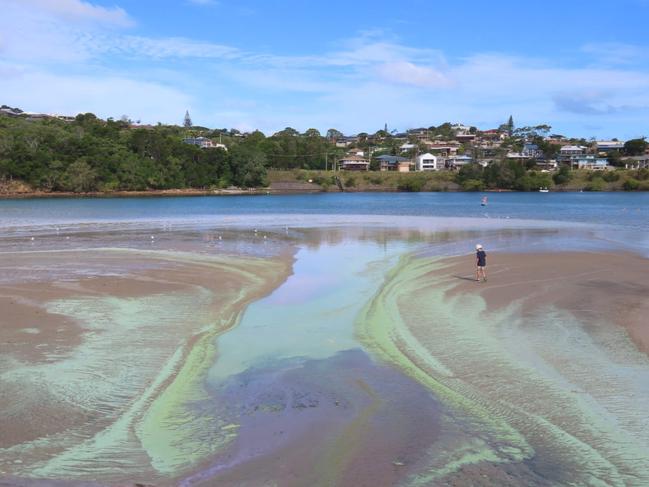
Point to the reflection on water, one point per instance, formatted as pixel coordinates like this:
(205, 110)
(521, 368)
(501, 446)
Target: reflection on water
(321, 381)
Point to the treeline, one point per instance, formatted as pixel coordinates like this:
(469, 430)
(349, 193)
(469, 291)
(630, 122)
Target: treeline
(90, 154)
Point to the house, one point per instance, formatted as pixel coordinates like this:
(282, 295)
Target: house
(447, 149)
(353, 163)
(637, 162)
(569, 152)
(609, 145)
(465, 137)
(407, 147)
(545, 166)
(204, 143)
(458, 161)
(430, 162)
(517, 156)
(532, 151)
(592, 163)
(393, 163)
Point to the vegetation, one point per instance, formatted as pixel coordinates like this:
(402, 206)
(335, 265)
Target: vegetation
(90, 154)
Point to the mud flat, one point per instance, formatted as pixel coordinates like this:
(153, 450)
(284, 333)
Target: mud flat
(101, 351)
(547, 362)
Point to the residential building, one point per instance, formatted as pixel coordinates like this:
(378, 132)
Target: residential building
(430, 162)
(455, 162)
(407, 147)
(392, 163)
(354, 163)
(532, 151)
(591, 163)
(204, 143)
(446, 149)
(637, 162)
(609, 145)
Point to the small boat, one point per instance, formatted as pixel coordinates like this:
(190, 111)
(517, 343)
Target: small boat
(484, 201)
(544, 190)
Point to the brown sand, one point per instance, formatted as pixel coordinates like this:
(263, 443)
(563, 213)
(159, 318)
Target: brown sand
(604, 286)
(30, 335)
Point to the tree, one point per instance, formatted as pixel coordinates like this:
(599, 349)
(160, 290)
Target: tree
(510, 126)
(187, 123)
(334, 135)
(312, 133)
(635, 147)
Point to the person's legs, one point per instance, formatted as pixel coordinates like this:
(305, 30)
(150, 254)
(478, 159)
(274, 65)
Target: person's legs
(477, 273)
(484, 272)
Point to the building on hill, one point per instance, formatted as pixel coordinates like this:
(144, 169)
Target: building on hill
(636, 162)
(609, 145)
(591, 163)
(430, 162)
(354, 163)
(456, 162)
(204, 143)
(393, 163)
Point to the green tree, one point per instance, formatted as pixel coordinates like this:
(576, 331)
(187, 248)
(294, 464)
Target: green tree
(635, 147)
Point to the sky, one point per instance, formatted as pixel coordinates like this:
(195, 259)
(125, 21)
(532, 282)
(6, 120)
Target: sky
(580, 66)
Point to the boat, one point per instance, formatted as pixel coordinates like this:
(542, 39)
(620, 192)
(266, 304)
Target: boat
(544, 190)
(484, 201)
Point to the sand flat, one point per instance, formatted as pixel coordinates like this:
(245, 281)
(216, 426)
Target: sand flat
(545, 362)
(84, 354)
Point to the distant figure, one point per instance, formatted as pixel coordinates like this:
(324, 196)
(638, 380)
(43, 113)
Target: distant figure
(481, 263)
(484, 201)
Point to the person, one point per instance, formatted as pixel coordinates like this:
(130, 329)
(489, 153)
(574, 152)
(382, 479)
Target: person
(481, 263)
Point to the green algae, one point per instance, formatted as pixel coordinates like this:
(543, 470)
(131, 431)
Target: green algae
(140, 364)
(517, 398)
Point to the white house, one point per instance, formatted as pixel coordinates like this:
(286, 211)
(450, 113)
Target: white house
(407, 147)
(429, 162)
(592, 163)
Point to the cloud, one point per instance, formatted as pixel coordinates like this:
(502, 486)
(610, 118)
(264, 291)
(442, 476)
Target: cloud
(407, 73)
(78, 11)
(104, 95)
(616, 53)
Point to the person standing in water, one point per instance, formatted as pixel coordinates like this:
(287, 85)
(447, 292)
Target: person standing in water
(481, 263)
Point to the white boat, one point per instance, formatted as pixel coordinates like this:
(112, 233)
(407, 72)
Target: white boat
(544, 190)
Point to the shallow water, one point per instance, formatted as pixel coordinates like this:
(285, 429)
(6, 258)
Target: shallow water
(322, 372)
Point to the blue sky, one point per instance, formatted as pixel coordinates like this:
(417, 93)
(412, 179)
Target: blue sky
(582, 67)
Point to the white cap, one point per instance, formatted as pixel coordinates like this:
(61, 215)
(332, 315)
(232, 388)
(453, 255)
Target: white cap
(478, 247)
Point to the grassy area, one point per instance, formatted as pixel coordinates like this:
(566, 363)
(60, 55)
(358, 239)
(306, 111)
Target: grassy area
(369, 181)
(578, 180)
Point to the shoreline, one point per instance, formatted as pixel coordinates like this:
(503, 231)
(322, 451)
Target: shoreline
(174, 193)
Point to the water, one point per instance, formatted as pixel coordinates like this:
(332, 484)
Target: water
(629, 210)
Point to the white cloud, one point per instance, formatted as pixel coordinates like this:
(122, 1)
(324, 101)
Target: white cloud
(104, 95)
(407, 73)
(616, 53)
(78, 10)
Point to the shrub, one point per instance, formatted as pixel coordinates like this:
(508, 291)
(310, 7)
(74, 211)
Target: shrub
(472, 185)
(350, 182)
(596, 184)
(611, 176)
(412, 184)
(631, 184)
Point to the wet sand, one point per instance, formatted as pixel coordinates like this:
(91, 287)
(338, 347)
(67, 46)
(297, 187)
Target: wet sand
(547, 361)
(598, 288)
(85, 355)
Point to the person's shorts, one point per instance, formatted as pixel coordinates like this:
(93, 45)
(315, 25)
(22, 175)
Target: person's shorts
(482, 266)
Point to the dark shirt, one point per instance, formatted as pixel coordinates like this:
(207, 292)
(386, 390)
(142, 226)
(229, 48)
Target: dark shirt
(482, 258)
